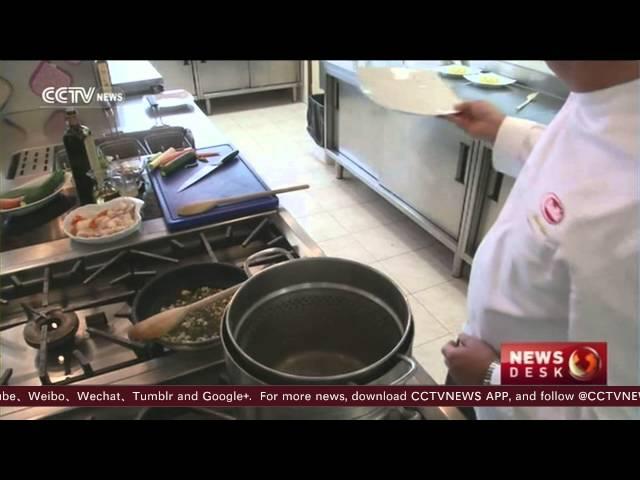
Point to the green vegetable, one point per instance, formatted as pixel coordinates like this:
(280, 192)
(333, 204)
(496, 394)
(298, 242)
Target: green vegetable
(46, 189)
(33, 194)
(152, 159)
(179, 163)
(18, 192)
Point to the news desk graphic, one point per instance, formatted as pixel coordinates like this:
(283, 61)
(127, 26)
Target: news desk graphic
(553, 363)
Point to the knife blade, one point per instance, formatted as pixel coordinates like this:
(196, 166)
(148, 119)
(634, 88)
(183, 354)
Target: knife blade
(206, 171)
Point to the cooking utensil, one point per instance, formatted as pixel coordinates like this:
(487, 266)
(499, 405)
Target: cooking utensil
(200, 207)
(318, 321)
(163, 322)
(396, 375)
(165, 288)
(47, 75)
(207, 170)
(530, 98)
(6, 89)
(18, 132)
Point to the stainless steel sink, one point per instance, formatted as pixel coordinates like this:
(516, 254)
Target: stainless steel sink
(135, 144)
(33, 162)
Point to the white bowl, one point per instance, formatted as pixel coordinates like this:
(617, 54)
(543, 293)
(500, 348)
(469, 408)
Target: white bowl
(93, 209)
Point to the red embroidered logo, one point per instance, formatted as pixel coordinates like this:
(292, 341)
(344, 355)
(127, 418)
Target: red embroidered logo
(552, 209)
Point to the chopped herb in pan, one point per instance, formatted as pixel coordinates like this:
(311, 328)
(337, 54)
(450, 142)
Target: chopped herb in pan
(201, 325)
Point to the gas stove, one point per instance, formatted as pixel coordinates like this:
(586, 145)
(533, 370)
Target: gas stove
(64, 317)
(66, 321)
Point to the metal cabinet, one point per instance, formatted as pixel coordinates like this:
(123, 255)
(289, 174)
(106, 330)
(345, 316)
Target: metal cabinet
(361, 122)
(177, 74)
(493, 193)
(426, 162)
(221, 75)
(273, 72)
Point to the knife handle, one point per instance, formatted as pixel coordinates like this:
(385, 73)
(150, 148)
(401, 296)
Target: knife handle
(229, 157)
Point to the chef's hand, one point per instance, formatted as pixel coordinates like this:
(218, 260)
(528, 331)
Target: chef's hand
(469, 360)
(479, 119)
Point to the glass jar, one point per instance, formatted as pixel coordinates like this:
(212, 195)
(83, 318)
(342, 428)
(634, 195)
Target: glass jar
(126, 177)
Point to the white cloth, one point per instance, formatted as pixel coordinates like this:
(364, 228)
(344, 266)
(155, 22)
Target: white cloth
(577, 280)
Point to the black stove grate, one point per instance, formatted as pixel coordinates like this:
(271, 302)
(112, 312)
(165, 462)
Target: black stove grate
(107, 278)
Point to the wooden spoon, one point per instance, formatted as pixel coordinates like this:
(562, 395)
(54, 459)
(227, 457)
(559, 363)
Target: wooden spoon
(157, 325)
(200, 207)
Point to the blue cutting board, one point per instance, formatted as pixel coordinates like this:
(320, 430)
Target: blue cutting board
(235, 178)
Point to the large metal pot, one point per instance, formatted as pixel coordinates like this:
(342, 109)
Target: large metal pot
(398, 374)
(318, 321)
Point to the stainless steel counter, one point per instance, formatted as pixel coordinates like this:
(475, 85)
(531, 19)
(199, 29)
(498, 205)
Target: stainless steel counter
(427, 168)
(133, 115)
(506, 99)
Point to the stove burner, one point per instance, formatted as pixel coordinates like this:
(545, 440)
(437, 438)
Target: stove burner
(61, 329)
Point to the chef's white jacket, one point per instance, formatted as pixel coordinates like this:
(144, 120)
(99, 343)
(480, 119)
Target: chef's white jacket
(571, 275)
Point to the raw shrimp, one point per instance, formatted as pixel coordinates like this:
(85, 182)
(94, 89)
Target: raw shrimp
(106, 222)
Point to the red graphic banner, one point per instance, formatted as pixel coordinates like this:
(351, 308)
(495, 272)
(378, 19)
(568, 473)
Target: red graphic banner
(303, 396)
(553, 363)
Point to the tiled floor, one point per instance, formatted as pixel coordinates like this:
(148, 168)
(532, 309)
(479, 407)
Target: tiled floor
(346, 218)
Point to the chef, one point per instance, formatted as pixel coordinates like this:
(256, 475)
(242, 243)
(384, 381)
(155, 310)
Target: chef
(561, 261)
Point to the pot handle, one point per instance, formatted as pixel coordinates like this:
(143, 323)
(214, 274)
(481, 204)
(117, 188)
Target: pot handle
(412, 367)
(266, 254)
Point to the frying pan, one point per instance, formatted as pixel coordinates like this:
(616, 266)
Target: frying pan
(165, 288)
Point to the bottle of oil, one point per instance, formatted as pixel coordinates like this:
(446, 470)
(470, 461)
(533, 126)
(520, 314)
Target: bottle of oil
(83, 157)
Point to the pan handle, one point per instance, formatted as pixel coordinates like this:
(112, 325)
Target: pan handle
(412, 367)
(266, 254)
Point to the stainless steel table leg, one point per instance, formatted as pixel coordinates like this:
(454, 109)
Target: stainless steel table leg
(339, 171)
(458, 263)
(328, 160)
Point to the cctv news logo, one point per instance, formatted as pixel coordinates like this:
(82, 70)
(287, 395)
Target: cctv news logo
(80, 95)
(580, 363)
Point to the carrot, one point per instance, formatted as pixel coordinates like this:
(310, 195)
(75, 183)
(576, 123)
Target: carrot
(170, 158)
(156, 160)
(10, 203)
(179, 154)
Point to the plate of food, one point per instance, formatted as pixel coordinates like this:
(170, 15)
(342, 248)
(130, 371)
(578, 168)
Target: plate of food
(104, 223)
(456, 70)
(34, 194)
(490, 80)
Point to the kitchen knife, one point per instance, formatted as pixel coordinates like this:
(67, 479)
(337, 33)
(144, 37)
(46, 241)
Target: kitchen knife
(207, 170)
(530, 98)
